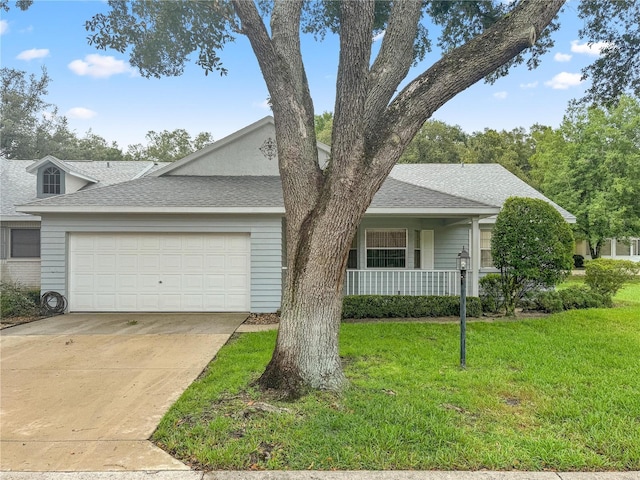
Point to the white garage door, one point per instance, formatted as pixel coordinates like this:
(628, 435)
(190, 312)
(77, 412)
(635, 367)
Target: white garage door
(158, 272)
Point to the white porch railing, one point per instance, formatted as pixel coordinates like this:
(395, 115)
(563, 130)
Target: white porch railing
(402, 282)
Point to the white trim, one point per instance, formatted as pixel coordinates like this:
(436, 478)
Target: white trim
(427, 250)
(61, 165)
(38, 208)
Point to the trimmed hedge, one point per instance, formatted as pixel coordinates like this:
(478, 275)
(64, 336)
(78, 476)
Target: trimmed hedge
(407, 306)
(570, 298)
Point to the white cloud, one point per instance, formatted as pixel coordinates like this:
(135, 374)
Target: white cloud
(33, 54)
(4, 27)
(529, 85)
(562, 57)
(81, 113)
(379, 36)
(99, 66)
(594, 49)
(564, 80)
(500, 95)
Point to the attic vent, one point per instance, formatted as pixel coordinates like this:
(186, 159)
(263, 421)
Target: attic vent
(269, 149)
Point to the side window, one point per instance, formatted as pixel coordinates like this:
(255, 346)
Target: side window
(486, 260)
(25, 243)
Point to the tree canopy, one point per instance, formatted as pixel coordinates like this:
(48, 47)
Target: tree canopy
(591, 166)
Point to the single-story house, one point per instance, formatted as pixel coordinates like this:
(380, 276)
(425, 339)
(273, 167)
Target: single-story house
(25, 180)
(206, 233)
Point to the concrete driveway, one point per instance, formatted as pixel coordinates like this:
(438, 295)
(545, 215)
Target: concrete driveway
(84, 392)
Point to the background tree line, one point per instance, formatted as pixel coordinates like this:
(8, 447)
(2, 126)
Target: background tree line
(31, 128)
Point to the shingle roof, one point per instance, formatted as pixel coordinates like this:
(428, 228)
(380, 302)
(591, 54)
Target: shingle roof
(483, 182)
(241, 191)
(18, 187)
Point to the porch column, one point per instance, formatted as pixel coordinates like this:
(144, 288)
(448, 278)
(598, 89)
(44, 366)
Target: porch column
(474, 250)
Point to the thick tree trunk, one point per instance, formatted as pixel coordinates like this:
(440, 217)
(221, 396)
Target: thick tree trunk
(372, 126)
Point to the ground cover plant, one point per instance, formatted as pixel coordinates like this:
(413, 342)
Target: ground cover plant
(560, 393)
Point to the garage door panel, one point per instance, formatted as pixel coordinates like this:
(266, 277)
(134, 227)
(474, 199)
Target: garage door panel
(171, 302)
(237, 282)
(127, 262)
(171, 283)
(194, 263)
(105, 282)
(170, 262)
(214, 263)
(159, 272)
(85, 283)
(150, 262)
(215, 302)
(127, 302)
(235, 302)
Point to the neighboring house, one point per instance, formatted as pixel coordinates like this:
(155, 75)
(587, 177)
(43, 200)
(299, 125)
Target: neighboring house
(206, 232)
(24, 180)
(627, 249)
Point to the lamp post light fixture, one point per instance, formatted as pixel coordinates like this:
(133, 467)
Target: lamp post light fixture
(463, 261)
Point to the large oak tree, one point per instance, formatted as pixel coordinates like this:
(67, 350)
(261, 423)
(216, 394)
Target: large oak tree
(374, 118)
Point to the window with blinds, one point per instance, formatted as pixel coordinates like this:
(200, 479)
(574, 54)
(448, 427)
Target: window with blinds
(386, 248)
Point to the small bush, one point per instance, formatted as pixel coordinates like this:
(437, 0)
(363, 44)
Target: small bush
(578, 296)
(578, 261)
(18, 301)
(407, 306)
(606, 275)
(491, 294)
(571, 298)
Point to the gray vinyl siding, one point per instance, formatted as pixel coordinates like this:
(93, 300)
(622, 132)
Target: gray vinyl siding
(265, 233)
(448, 244)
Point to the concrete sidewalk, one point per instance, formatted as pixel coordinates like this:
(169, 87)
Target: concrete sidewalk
(315, 475)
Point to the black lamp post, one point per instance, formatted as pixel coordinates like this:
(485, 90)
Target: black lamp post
(463, 262)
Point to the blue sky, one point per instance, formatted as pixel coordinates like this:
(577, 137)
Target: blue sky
(98, 90)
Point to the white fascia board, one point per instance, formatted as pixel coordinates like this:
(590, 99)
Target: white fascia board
(439, 212)
(128, 209)
(19, 218)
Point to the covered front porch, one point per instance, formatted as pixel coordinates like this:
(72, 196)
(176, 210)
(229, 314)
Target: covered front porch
(403, 255)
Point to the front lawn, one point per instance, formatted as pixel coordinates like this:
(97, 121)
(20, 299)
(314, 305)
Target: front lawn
(559, 393)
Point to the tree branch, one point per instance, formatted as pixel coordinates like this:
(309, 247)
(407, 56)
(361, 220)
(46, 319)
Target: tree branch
(394, 58)
(356, 27)
(455, 72)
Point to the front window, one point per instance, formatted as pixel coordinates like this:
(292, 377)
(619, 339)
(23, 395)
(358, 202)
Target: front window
(386, 248)
(25, 243)
(486, 260)
(51, 181)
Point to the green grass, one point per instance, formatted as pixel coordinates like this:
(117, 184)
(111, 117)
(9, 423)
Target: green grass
(559, 393)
